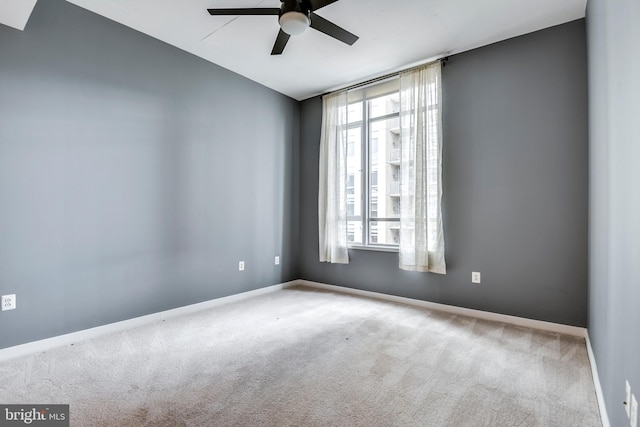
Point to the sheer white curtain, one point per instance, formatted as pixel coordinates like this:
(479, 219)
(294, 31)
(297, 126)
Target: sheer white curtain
(332, 194)
(421, 233)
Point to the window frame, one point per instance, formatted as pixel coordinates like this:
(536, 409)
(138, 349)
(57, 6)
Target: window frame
(365, 124)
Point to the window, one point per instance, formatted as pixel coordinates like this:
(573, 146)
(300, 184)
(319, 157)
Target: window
(373, 168)
(380, 170)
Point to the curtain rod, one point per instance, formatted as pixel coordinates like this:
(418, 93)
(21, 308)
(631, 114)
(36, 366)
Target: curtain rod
(442, 60)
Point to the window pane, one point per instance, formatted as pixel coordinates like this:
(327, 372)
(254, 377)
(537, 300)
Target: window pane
(384, 169)
(354, 185)
(354, 169)
(354, 232)
(384, 105)
(384, 232)
(354, 112)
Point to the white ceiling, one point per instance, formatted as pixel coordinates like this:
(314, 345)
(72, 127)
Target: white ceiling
(394, 34)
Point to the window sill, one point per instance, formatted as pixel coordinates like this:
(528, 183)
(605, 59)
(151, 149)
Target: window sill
(373, 248)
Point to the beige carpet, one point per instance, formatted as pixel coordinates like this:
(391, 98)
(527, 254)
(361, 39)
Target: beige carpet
(313, 358)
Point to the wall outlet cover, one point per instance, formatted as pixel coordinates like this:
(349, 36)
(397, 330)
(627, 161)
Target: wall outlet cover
(475, 277)
(8, 302)
(241, 266)
(277, 260)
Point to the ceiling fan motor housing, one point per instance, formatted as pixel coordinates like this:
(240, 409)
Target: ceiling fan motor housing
(295, 16)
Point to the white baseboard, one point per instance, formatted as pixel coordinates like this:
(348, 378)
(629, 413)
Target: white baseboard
(486, 315)
(45, 344)
(74, 337)
(596, 381)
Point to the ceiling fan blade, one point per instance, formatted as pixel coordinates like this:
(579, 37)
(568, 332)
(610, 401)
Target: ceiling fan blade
(317, 4)
(247, 11)
(281, 42)
(331, 29)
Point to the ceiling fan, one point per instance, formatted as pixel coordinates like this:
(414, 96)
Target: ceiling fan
(294, 17)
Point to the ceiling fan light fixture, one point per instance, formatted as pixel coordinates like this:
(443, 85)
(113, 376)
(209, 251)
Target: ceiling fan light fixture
(294, 22)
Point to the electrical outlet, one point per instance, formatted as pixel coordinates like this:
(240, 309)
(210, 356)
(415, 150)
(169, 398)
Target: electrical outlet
(8, 302)
(627, 398)
(475, 277)
(277, 261)
(634, 411)
(241, 266)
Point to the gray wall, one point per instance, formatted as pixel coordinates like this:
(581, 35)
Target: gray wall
(133, 176)
(515, 185)
(614, 126)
